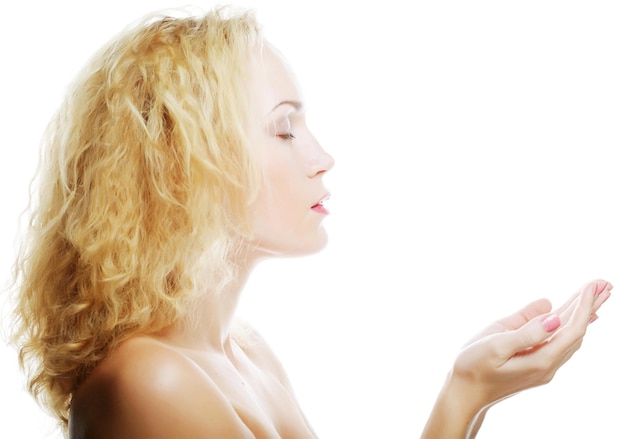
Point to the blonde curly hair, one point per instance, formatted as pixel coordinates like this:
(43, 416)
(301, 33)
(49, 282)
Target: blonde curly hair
(144, 187)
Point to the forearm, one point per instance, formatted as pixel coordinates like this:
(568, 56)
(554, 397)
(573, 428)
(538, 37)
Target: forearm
(476, 424)
(455, 414)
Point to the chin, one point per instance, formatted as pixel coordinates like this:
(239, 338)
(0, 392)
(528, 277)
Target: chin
(318, 245)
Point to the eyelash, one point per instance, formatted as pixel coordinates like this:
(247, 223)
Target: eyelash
(287, 137)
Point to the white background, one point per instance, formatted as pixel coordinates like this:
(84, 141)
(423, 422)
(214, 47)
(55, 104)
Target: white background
(479, 149)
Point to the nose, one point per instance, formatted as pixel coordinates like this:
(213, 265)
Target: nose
(320, 161)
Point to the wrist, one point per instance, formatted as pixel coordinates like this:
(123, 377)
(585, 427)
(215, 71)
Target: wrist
(454, 412)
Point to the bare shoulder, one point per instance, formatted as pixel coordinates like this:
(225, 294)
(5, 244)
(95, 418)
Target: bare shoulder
(147, 389)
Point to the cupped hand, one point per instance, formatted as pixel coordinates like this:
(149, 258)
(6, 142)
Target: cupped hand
(526, 349)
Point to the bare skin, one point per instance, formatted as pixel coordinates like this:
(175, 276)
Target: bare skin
(151, 388)
(513, 354)
(208, 380)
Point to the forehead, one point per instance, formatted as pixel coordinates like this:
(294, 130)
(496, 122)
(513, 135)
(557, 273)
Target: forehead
(273, 79)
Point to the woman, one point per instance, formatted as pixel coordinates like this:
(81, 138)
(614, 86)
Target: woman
(181, 159)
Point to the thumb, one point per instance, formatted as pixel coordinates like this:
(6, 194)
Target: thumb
(531, 334)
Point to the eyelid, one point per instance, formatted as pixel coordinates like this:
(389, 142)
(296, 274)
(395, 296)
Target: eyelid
(281, 126)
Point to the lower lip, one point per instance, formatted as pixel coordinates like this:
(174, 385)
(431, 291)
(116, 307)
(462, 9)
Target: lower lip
(320, 209)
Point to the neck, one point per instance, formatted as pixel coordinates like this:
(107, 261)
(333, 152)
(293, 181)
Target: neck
(212, 316)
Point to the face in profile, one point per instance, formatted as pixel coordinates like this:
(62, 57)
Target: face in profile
(289, 210)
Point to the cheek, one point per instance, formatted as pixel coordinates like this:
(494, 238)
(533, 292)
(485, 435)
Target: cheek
(281, 201)
(277, 203)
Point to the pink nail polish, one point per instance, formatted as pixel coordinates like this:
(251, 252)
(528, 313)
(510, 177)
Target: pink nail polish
(551, 323)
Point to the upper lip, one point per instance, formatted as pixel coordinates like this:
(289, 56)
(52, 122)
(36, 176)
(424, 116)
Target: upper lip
(321, 200)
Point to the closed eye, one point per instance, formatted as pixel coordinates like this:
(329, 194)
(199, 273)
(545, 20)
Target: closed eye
(286, 136)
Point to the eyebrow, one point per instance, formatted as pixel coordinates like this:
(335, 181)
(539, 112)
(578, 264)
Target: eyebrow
(297, 105)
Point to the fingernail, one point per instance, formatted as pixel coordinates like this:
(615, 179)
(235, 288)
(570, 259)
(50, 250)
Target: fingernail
(551, 323)
(593, 318)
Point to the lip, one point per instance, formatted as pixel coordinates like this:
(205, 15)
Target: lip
(319, 206)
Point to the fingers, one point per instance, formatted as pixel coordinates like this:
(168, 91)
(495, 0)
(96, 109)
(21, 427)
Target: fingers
(526, 338)
(599, 287)
(602, 297)
(584, 307)
(558, 334)
(527, 348)
(593, 294)
(526, 314)
(575, 319)
(515, 320)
